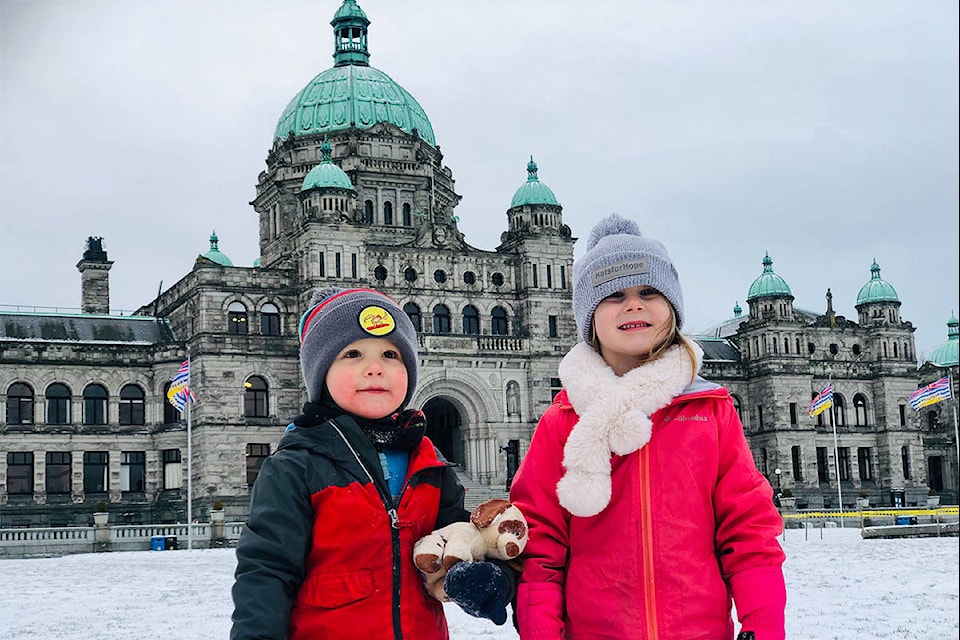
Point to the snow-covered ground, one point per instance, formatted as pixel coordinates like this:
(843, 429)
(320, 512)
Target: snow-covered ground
(839, 588)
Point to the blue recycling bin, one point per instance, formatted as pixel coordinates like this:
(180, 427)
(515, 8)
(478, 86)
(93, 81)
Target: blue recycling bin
(906, 520)
(158, 543)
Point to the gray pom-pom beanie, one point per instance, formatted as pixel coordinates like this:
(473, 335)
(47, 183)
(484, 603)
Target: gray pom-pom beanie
(337, 317)
(619, 257)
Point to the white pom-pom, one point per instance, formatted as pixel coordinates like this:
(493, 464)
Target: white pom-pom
(630, 432)
(610, 226)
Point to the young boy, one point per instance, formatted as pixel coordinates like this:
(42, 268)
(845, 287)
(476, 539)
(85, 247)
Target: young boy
(328, 548)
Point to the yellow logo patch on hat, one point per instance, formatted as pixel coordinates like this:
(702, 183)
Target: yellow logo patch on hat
(377, 321)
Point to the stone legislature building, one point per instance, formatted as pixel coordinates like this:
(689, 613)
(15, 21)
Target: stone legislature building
(356, 194)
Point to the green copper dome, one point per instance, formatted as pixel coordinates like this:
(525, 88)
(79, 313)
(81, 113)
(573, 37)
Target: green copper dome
(877, 290)
(768, 283)
(215, 254)
(326, 175)
(352, 93)
(946, 355)
(533, 191)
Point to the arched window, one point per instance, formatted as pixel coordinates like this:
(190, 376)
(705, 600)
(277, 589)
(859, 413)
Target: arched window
(737, 405)
(255, 398)
(236, 318)
(58, 404)
(388, 213)
(498, 322)
(269, 320)
(407, 219)
(839, 410)
(441, 319)
(860, 409)
(471, 320)
(368, 211)
(19, 404)
(413, 312)
(94, 404)
(131, 405)
(170, 412)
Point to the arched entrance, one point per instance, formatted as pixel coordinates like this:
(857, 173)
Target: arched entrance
(443, 429)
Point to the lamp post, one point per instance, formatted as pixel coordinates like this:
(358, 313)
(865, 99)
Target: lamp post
(777, 473)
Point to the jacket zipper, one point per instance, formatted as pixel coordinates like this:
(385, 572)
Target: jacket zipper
(387, 501)
(646, 540)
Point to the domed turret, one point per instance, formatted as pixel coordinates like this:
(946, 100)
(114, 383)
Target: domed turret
(533, 191)
(877, 289)
(215, 254)
(326, 175)
(352, 94)
(946, 355)
(768, 284)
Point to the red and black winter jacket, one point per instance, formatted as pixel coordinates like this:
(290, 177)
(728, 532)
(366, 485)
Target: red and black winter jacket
(325, 552)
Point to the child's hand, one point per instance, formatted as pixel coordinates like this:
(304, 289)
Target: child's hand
(482, 589)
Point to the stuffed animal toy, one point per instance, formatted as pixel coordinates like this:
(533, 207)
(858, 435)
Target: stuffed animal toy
(496, 529)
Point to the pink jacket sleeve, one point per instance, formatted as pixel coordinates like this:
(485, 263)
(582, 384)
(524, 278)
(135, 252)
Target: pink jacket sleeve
(534, 491)
(748, 524)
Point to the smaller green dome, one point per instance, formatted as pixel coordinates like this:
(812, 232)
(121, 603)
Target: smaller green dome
(326, 175)
(215, 254)
(533, 191)
(877, 290)
(948, 353)
(768, 283)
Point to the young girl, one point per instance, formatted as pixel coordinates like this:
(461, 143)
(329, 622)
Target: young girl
(328, 549)
(646, 510)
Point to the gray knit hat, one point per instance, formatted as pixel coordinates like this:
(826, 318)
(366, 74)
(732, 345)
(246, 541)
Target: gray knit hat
(619, 257)
(337, 317)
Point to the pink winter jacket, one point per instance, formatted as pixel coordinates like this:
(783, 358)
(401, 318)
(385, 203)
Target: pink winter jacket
(691, 522)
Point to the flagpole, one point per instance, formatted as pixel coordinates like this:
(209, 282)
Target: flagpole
(956, 430)
(836, 464)
(189, 480)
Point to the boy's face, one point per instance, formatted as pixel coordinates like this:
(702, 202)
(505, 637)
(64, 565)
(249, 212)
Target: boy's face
(368, 378)
(629, 324)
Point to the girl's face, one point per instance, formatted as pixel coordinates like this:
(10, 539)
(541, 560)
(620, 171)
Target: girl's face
(368, 378)
(630, 324)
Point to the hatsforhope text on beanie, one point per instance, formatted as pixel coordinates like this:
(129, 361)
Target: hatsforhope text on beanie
(619, 257)
(337, 317)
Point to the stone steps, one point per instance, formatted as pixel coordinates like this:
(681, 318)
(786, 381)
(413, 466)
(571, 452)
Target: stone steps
(477, 493)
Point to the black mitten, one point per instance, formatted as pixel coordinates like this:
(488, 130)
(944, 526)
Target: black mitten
(746, 635)
(482, 589)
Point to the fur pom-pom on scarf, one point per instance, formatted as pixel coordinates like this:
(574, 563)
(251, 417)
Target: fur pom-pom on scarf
(614, 416)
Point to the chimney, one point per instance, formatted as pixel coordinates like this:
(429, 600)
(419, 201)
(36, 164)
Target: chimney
(95, 278)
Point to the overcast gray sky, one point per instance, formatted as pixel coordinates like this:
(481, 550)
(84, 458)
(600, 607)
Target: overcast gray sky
(822, 132)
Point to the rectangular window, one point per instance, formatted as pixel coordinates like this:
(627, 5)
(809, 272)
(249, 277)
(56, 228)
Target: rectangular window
(863, 463)
(323, 267)
(843, 462)
(555, 387)
(172, 469)
(256, 454)
(270, 324)
(337, 265)
(353, 265)
(759, 417)
(549, 277)
(19, 473)
(823, 468)
(563, 277)
(534, 269)
(95, 471)
(793, 414)
(133, 471)
(905, 461)
(903, 415)
(552, 326)
(58, 410)
(797, 463)
(58, 472)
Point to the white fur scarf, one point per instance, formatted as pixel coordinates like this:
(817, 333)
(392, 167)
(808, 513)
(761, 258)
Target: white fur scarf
(614, 416)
